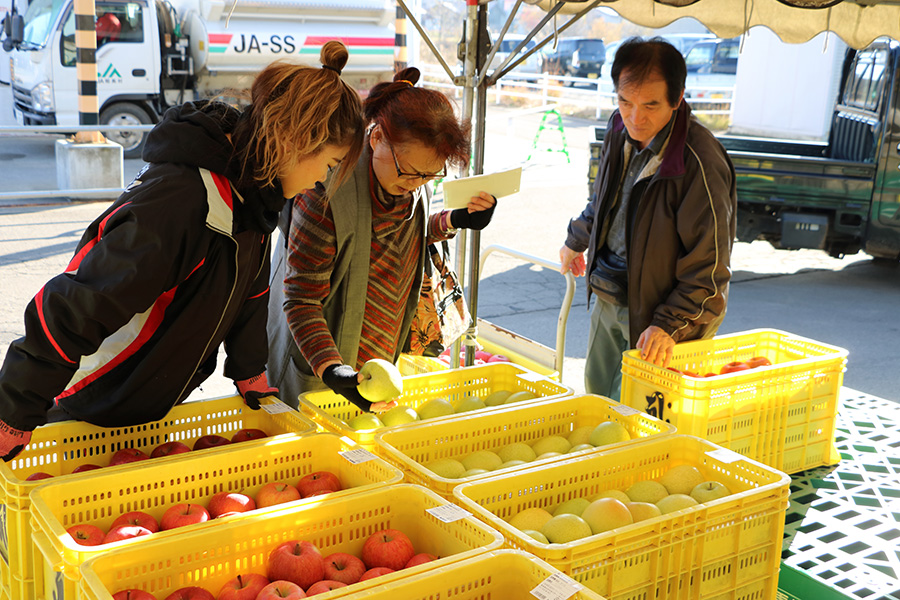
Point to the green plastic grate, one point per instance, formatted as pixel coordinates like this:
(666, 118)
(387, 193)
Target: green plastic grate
(842, 529)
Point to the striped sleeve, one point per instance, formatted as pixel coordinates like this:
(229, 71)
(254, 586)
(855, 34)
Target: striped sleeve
(439, 227)
(311, 253)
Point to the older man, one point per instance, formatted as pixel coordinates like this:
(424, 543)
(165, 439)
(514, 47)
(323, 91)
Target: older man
(660, 224)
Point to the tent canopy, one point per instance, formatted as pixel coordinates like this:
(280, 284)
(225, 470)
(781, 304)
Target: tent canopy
(857, 22)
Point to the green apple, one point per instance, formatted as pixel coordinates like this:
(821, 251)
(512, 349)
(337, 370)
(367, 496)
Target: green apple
(566, 528)
(643, 510)
(530, 518)
(579, 448)
(551, 443)
(467, 404)
(617, 494)
(609, 432)
(537, 535)
(381, 381)
(681, 479)
(512, 463)
(674, 502)
(364, 421)
(436, 407)
(482, 459)
(447, 468)
(606, 514)
(647, 491)
(575, 506)
(548, 455)
(520, 397)
(580, 435)
(497, 398)
(517, 451)
(399, 415)
(474, 472)
(709, 491)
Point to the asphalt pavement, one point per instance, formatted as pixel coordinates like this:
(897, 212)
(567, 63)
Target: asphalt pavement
(848, 302)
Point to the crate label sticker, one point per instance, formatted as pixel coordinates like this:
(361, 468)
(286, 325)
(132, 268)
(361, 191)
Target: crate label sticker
(556, 587)
(448, 513)
(357, 455)
(625, 410)
(275, 408)
(531, 377)
(725, 455)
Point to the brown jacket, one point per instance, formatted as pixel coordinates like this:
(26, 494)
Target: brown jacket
(680, 232)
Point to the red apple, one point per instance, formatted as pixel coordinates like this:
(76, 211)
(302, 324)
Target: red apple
(191, 593)
(37, 476)
(326, 585)
(127, 455)
(376, 572)
(86, 467)
(281, 590)
(498, 358)
(420, 559)
(229, 503)
(169, 448)
(247, 434)
(759, 361)
(387, 548)
(86, 534)
(125, 532)
(298, 562)
(343, 567)
(319, 493)
(734, 367)
(183, 514)
(276, 492)
(243, 587)
(137, 517)
(318, 481)
(483, 355)
(133, 594)
(210, 441)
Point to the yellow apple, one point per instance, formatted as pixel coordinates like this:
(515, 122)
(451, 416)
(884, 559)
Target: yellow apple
(537, 535)
(674, 502)
(531, 518)
(516, 451)
(497, 398)
(579, 448)
(580, 435)
(474, 472)
(642, 510)
(364, 421)
(609, 432)
(434, 408)
(575, 506)
(467, 404)
(617, 494)
(512, 463)
(482, 459)
(548, 455)
(681, 479)
(551, 443)
(709, 491)
(606, 514)
(399, 415)
(520, 397)
(566, 528)
(647, 491)
(381, 382)
(446, 468)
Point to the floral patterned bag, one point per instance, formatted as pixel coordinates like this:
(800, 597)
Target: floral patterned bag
(441, 316)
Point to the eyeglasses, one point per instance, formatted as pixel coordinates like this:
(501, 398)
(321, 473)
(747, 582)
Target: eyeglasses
(411, 176)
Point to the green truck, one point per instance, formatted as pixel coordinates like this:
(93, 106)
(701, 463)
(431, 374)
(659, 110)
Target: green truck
(841, 195)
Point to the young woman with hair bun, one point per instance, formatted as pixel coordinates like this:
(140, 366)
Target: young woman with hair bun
(179, 264)
(353, 264)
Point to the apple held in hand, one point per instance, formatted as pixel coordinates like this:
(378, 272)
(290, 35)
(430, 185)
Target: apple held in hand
(182, 515)
(326, 585)
(127, 455)
(243, 587)
(276, 492)
(210, 441)
(133, 594)
(191, 593)
(298, 562)
(170, 448)
(281, 590)
(125, 532)
(381, 381)
(229, 503)
(317, 482)
(247, 434)
(343, 567)
(86, 534)
(387, 548)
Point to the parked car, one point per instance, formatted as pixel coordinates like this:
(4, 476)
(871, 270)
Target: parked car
(713, 56)
(509, 43)
(685, 41)
(575, 57)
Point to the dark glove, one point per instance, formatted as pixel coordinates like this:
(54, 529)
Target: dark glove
(461, 218)
(342, 379)
(12, 441)
(255, 388)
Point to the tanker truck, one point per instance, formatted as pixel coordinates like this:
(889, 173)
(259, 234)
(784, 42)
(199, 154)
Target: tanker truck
(153, 54)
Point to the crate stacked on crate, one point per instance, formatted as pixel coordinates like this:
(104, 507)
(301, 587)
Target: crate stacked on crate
(782, 415)
(99, 499)
(842, 537)
(512, 433)
(212, 557)
(332, 412)
(723, 548)
(58, 449)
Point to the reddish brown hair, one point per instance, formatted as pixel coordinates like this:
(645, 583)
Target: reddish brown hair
(406, 113)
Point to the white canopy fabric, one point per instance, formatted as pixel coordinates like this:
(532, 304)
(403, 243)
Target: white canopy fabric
(857, 22)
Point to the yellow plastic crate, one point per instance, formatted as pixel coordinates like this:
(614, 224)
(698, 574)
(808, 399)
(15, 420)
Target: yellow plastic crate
(332, 411)
(729, 548)
(782, 415)
(99, 499)
(410, 364)
(211, 557)
(58, 448)
(414, 446)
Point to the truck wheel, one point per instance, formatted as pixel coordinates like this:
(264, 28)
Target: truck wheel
(127, 115)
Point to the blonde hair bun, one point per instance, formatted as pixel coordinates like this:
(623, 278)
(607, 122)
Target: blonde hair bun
(334, 55)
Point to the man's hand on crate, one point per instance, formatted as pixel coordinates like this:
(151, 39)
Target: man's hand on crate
(255, 388)
(656, 346)
(12, 441)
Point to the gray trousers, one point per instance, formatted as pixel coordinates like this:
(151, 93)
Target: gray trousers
(607, 340)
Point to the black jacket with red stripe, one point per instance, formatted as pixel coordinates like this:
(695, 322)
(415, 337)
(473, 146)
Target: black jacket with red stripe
(178, 265)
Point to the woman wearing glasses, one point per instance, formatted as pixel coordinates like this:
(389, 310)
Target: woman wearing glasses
(353, 265)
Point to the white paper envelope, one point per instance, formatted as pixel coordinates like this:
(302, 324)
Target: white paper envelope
(458, 192)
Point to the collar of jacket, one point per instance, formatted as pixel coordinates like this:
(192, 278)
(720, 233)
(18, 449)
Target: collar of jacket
(673, 159)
